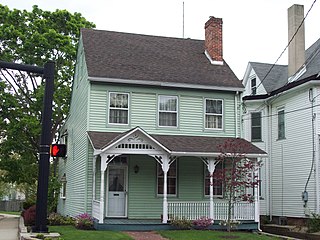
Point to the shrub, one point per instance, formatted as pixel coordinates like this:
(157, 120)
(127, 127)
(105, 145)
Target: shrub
(84, 221)
(27, 204)
(314, 223)
(29, 216)
(56, 219)
(182, 223)
(202, 223)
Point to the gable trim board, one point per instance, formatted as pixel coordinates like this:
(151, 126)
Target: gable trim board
(164, 84)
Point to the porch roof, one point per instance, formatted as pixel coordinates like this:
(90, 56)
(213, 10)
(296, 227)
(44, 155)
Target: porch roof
(177, 144)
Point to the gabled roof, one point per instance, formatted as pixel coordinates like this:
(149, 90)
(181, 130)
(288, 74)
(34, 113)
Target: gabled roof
(173, 144)
(277, 79)
(115, 55)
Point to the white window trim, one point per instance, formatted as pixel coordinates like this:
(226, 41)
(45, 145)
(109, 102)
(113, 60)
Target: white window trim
(109, 108)
(204, 181)
(63, 187)
(169, 195)
(213, 114)
(255, 86)
(177, 111)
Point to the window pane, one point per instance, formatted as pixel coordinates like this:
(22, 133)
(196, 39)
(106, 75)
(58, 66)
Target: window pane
(281, 125)
(168, 103)
(213, 106)
(118, 116)
(256, 126)
(171, 179)
(167, 119)
(253, 86)
(213, 121)
(118, 100)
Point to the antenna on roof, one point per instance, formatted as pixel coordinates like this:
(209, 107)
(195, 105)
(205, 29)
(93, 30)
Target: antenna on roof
(182, 19)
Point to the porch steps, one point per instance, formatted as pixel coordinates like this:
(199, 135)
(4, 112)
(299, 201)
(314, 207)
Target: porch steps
(156, 225)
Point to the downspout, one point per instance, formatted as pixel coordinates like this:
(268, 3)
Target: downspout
(269, 107)
(236, 111)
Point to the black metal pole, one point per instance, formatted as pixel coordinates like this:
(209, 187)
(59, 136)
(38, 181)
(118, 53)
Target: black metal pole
(45, 141)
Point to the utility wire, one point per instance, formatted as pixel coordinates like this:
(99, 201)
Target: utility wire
(276, 114)
(287, 45)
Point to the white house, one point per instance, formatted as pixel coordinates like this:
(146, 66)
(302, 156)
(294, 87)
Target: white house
(281, 107)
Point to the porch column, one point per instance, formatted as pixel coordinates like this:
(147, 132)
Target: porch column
(94, 161)
(256, 198)
(165, 167)
(211, 167)
(104, 165)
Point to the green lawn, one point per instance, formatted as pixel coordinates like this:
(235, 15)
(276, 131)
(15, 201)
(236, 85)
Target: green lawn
(71, 233)
(206, 235)
(11, 213)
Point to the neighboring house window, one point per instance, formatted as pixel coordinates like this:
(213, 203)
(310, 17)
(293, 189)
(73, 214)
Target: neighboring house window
(119, 108)
(213, 114)
(256, 126)
(217, 185)
(281, 124)
(168, 111)
(253, 86)
(171, 179)
(63, 187)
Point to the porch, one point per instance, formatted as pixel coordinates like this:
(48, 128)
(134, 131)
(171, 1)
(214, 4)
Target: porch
(243, 212)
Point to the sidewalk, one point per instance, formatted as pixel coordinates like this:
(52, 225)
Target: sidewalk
(9, 227)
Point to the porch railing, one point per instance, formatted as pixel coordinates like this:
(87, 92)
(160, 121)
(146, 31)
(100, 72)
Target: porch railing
(195, 210)
(95, 209)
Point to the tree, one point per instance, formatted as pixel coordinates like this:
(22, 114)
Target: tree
(238, 175)
(34, 38)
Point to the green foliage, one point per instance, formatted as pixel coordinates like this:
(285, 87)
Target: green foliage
(56, 219)
(84, 221)
(53, 193)
(28, 203)
(33, 38)
(40, 236)
(182, 223)
(314, 223)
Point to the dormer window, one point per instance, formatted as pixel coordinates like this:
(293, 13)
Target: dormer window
(253, 86)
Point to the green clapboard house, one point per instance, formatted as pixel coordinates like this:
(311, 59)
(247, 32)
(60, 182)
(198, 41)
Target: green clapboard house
(147, 115)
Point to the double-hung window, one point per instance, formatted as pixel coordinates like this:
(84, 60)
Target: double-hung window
(217, 184)
(168, 111)
(256, 127)
(118, 108)
(171, 179)
(213, 113)
(281, 124)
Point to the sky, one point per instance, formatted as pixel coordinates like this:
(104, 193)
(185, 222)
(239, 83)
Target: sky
(253, 30)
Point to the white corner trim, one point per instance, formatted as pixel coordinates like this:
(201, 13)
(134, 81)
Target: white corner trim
(212, 61)
(298, 74)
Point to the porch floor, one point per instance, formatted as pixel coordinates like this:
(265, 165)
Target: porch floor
(124, 224)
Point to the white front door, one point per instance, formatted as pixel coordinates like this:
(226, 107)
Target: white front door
(117, 197)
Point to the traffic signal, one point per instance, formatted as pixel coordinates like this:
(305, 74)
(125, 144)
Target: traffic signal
(58, 150)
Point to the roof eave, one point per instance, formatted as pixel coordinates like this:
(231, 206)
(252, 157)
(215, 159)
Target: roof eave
(164, 84)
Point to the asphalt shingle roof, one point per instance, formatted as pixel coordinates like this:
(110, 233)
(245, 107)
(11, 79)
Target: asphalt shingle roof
(130, 56)
(175, 143)
(278, 76)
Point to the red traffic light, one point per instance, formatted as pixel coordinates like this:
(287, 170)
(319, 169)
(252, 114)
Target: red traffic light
(58, 150)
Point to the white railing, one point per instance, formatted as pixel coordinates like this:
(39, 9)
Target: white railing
(95, 209)
(195, 210)
(188, 210)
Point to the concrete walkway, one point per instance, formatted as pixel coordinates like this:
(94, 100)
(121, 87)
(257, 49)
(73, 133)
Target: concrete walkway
(9, 227)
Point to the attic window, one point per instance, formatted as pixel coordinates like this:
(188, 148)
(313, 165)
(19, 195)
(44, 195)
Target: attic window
(253, 86)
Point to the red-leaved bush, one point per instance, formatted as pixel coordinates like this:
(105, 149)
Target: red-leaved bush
(29, 216)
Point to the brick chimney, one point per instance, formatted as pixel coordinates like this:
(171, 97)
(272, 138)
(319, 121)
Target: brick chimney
(296, 51)
(213, 40)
